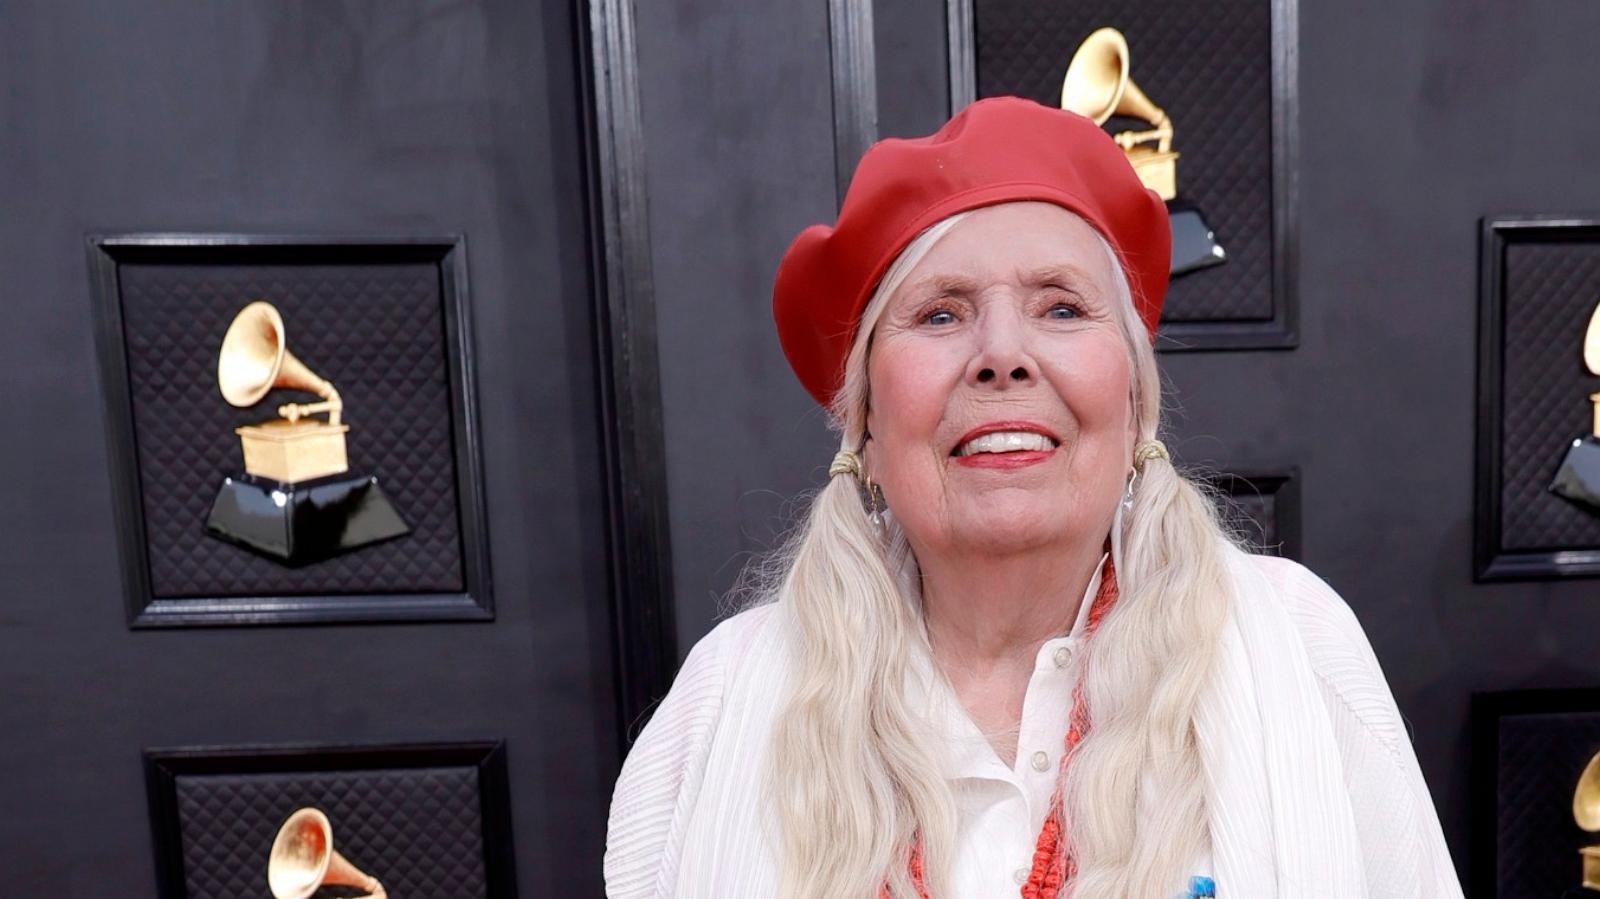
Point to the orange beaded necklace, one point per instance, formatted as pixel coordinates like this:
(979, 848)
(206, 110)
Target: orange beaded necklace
(1053, 864)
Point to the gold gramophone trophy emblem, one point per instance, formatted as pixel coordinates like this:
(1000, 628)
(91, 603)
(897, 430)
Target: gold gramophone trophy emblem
(1586, 811)
(1578, 479)
(303, 860)
(1097, 85)
(297, 500)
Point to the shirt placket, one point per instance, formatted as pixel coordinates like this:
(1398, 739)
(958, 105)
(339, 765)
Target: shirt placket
(1046, 708)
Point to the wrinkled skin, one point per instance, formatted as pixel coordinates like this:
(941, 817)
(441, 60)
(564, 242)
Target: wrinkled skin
(1008, 318)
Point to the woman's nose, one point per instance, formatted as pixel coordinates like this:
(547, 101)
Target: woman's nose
(1002, 358)
(986, 375)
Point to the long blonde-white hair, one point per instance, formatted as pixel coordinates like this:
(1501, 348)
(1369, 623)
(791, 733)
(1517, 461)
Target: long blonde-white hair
(856, 778)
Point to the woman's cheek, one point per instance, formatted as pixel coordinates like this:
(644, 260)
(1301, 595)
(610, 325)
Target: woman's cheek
(911, 386)
(1092, 379)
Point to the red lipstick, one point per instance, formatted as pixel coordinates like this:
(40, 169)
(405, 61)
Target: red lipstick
(1010, 460)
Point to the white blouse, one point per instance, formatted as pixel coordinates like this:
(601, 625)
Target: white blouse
(687, 818)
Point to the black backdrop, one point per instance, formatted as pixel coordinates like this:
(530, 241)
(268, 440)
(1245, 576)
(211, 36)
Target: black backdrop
(352, 118)
(1416, 120)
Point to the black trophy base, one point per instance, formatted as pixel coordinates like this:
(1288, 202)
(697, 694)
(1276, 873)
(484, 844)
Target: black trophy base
(1579, 476)
(297, 524)
(1194, 244)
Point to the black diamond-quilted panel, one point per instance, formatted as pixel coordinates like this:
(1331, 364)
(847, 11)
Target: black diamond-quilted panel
(377, 332)
(1536, 838)
(1255, 516)
(418, 830)
(1209, 65)
(1551, 289)
(1251, 508)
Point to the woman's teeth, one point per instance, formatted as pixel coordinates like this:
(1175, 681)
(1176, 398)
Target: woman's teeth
(1006, 442)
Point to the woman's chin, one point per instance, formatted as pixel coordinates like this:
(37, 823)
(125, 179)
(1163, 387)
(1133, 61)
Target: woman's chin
(1003, 535)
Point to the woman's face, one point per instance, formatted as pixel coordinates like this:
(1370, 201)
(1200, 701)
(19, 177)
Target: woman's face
(999, 408)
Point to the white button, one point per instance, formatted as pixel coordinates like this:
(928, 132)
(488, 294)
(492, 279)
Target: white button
(1020, 876)
(1063, 656)
(1041, 762)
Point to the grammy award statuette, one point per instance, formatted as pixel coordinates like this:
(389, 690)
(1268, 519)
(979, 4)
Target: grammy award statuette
(303, 860)
(1097, 86)
(1586, 811)
(1578, 479)
(297, 501)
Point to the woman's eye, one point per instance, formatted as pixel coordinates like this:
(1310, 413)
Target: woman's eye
(939, 317)
(1062, 311)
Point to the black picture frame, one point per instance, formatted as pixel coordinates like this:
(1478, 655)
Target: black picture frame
(1488, 712)
(1277, 492)
(163, 767)
(854, 74)
(1492, 561)
(1281, 331)
(629, 379)
(108, 252)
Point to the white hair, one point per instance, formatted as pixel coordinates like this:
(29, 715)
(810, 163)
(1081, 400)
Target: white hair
(856, 778)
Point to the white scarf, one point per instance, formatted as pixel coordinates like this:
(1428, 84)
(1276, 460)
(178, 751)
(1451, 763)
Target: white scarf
(1281, 822)
(1280, 816)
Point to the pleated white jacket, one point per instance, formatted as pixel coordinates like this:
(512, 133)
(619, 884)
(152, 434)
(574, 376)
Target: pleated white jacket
(1313, 786)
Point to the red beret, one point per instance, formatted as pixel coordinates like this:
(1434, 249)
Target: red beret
(997, 150)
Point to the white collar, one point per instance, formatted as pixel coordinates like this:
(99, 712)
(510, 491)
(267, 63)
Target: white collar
(968, 752)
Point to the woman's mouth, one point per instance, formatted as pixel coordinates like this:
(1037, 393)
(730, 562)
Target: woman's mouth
(1006, 442)
(1004, 446)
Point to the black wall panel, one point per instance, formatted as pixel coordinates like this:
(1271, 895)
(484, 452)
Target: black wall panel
(416, 118)
(738, 131)
(1416, 121)
(1552, 290)
(1531, 746)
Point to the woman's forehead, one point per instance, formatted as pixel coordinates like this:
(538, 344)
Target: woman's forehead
(1015, 241)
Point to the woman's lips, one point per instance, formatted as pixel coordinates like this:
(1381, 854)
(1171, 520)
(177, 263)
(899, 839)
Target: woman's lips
(1004, 445)
(1005, 461)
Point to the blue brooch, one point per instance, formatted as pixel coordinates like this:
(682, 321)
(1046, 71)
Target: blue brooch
(1201, 888)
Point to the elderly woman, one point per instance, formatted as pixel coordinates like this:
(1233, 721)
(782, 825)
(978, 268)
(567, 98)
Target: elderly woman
(1012, 651)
